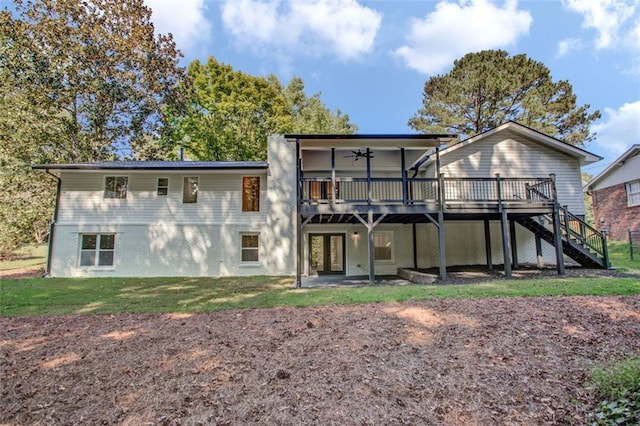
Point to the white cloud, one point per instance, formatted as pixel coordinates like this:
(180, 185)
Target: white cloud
(609, 18)
(183, 18)
(568, 45)
(619, 130)
(457, 28)
(344, 27)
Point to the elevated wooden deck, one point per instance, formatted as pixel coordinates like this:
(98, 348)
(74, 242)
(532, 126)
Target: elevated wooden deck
(408, 200)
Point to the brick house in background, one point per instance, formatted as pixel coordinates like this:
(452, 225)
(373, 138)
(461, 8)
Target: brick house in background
(615, 194)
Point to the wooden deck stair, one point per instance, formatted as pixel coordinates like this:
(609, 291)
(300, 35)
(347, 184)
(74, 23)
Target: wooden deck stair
(580, 241)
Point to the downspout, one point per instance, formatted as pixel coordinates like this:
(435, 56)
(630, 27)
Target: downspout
(52, 227)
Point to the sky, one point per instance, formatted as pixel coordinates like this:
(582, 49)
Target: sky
(371, 58)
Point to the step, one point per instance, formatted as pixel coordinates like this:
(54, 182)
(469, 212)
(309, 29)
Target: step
(416, 276)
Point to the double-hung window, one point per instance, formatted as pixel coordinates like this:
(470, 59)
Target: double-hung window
(97, 249)
(633, 193)
(163, 186)
(250, 247)
(115, 186)
(250, 193)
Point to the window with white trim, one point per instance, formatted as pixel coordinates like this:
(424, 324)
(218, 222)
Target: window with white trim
(250, 245)
(163, 186)
(190, 190)
(633, 193)
(115, 186)
(97, 249)
(383, 246)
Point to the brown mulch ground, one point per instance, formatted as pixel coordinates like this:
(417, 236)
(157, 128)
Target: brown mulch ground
(470, 361)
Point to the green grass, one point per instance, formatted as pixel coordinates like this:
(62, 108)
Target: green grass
(620, 259)
(26, 257)
(55, 296)
(618, 386)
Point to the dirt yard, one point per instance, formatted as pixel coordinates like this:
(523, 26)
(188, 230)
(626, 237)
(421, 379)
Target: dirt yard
(489, 361)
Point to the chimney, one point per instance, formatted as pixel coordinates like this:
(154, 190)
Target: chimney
(181, 154)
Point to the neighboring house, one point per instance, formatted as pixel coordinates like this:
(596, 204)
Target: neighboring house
(329, 204)
(615, 195)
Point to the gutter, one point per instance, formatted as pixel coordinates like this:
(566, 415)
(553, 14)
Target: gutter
(52, 227)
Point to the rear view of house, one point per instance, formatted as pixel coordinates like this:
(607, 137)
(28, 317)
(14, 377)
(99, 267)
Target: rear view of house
(330, 204)
(615, 194)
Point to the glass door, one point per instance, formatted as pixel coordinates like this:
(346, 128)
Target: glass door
(326, 254)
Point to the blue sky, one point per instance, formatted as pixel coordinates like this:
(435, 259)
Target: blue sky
(371, 58)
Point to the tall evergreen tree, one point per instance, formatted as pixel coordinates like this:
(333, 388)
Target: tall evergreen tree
(488, 88)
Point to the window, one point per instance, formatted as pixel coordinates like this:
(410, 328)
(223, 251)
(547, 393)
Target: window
(383, 246)
(163, 186)
(633, 193)
(250, 247)
(97, 249)
(190, 190)
(250, 194)
(115, 187)
(323, 190)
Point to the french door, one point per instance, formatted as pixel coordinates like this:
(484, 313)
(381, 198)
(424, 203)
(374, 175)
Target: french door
(326, 254)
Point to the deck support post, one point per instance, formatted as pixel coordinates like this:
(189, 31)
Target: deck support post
(332, 200)
(371, 225)
(487, 244)
(372, 268)
(369, 189)
(298, 283)
(404, 177)
(505, 229)
(557, 227)
(441, 245)
(539, 256)
(514, 244)
(415, 246)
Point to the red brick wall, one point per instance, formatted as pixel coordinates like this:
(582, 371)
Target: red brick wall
(611, 212)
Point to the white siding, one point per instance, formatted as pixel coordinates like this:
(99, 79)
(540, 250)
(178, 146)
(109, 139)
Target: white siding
(628, 172)
(219, 199)
(513, 155)
(160, 236)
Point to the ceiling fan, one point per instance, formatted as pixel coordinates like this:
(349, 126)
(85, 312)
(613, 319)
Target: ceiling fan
(356, 155)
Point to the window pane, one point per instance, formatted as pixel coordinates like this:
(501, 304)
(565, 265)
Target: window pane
(190, 190)
(87, 258)
(163, 186)
(249, 241)
(250, 194)
(106, 242)
(250, 255)
(115, 187)
(106, 258)
(89, 241)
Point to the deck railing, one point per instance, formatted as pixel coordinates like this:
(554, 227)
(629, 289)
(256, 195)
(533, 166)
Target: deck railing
(349, 190)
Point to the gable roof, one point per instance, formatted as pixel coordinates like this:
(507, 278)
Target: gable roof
(584, 156)
(615, 164)
(156, 165)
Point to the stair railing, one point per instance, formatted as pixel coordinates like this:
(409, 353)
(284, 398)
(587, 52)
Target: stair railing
(575, 229)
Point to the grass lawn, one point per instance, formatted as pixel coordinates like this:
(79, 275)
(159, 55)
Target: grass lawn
(620, 258)
(55, 296)
(29, 256)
